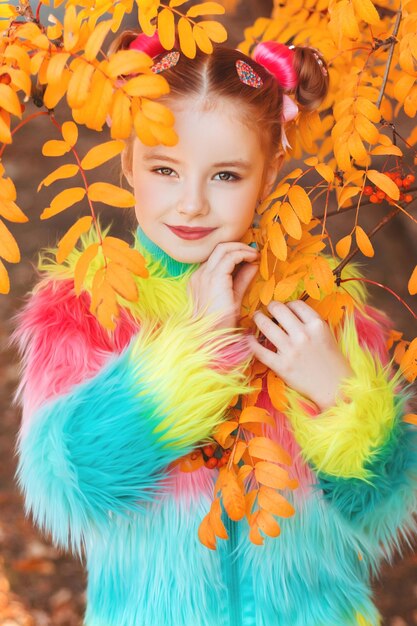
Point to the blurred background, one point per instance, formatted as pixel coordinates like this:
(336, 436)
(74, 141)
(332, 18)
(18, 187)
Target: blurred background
(38, 584)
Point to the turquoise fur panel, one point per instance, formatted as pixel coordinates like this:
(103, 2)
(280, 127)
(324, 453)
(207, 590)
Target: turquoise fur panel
(92, 451)
(140, 572)
(383, 505)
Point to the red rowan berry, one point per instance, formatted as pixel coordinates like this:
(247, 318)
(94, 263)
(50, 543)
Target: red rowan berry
(410, 178)
(406, 183)
(373, 198)
(380, 194)
(367, 190)
(408, 197)
(399, 181)
(211, 463)
(222, 461)
(208, 450)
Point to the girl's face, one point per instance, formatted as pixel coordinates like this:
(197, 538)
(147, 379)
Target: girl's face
(210, 180)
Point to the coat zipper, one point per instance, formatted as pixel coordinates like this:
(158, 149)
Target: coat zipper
(232, 573)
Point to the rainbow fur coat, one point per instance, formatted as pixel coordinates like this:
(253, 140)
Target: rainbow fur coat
(105, 414)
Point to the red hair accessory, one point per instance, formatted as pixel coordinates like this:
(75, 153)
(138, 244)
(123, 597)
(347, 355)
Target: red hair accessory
(277, 59)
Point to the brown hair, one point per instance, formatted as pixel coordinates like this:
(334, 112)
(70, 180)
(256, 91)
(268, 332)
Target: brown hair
(210, 76)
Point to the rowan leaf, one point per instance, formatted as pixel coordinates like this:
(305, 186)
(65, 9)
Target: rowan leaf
(186, 38)
(62, 201)
(96, 39)
(4, 279)
(68, 241)
(274, 502)
(107, 193)
(166, 28)
(268, 450)
(277, 241)
(9, 100)
(232, 495)
(9, 250)
(206, 533)
(412, 283)
(325, 172)
(276, 393)
(82, 266)
(125, 62)
(145, 86)
(408, 362)
(256, 414)
(205, 8)
(343, 246)
(272, 475)
(55, 147)
(223, 432)
(103, 152)
(290, 221)
(122, 281)
(202, 39)
(366, 11)
(254, 534)
(70, 133)
(64, 171)
(216, 521)
(385, 183)
(214, 30)
(301, 204)
(267, 523)
(363, 241)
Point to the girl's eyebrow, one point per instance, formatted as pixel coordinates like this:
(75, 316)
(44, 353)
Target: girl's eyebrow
(239, 163)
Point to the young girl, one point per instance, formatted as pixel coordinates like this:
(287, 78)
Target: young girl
(107, 414)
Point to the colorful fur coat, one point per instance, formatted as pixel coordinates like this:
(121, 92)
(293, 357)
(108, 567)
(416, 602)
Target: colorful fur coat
(105, 415)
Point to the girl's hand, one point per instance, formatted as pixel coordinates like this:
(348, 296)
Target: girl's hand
(308, 358)
(216, 287)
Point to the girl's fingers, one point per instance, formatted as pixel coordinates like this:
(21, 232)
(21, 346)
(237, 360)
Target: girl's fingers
(285, 317)
(227, 256)
(304, 311)
(265, 356)
(271, 331)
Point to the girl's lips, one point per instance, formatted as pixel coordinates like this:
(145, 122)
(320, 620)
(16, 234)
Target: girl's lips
(190, 233)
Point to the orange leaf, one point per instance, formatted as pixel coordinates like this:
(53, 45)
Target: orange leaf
(222, 434)
(267, 290)
(214, 30)
(385, 183)
(9, 100)
(186, 38)
(4, 279)
(206, 533)
(111, 194)
(290, 221)
(243, 473)
(101, 153)
(268, 524)
(232, 496)
(363, 241)
(250, 498)
(268, 450)
(241, 446)
(82, 266)
(10, 211)
(70, 133)
(67, 242)
(62, 201)
(276, 392)
(65, 171)
(274, 502)
(409, 362)
(301, 203)
(120, 252)
(166, 28)
(343, 246)
(412, 283)
(122, 281)
(254, 534)
(274, 476)
(9, 250)
(410, 418)
(216, 521)
(55, 147)
(256, 414)
(277, 241)
(206, 8)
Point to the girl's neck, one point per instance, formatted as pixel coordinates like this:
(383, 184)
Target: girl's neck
(169, 264)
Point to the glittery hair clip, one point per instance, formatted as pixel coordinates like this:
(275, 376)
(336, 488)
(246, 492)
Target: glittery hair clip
(167, 61)
(248, 75)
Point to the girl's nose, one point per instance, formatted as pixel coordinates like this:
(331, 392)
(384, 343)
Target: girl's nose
(193, 202)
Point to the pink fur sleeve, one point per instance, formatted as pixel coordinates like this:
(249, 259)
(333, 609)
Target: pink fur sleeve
(60, 343)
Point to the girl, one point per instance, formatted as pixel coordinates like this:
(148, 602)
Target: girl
(106, 415)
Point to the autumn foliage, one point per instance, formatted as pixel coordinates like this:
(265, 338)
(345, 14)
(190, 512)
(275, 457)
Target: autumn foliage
(352, 154)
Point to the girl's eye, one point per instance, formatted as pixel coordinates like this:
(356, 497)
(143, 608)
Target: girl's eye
(163, 170)
(234, 176)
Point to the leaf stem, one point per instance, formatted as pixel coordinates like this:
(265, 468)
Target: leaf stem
(373, 282)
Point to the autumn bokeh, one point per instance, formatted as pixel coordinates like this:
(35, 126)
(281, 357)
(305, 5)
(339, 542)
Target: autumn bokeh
(352, 166)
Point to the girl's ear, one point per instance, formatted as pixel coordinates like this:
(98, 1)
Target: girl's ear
(271, 174)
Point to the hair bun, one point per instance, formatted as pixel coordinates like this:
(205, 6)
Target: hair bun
(150, 45)
(277, 59)
(313, 77)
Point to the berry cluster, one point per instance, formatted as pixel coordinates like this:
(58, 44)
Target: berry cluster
(376, 195)
(213, 455)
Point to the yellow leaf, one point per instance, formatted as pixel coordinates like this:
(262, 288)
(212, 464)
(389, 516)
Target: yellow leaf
(9, 100)
(366, 129)
(267, 290)
(125, 62)
(323, 274)
(412, 283)
(363, 241)
(347, 193)
(71, 27)
(166, 28)
(272, 475)
(216, 521)
(79, 84)
(206, 8)
(202, 40)
(157, 112)
(276, 391)
(62, 201)
(68, 241)
(368, 109)
(14, 51)
(122, 281)
(325, 172)
(356, 147)
(274, 502)
(121, 116)
(381, 150)
(55, 147)
(256, 414)
(403, 86)
(96, 40)
(4, 279)
(301, 204)
(254, 534)
(410, 418)
(366, 11)
(343, 246)
(70, 133)
(186, 38)
(56, 91)
(268, 450)
(408, 363)
(277, 241)
(65, 171)
(311, 161)
(290, 221)
(286, 287)
(214, 30)
(111, 194)
(263, 267)
(147, 86)
(232, 496)
(385, 183)
(5, 134)
(82, 266)
(11, 212)
(97, 155)
(9, 250)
